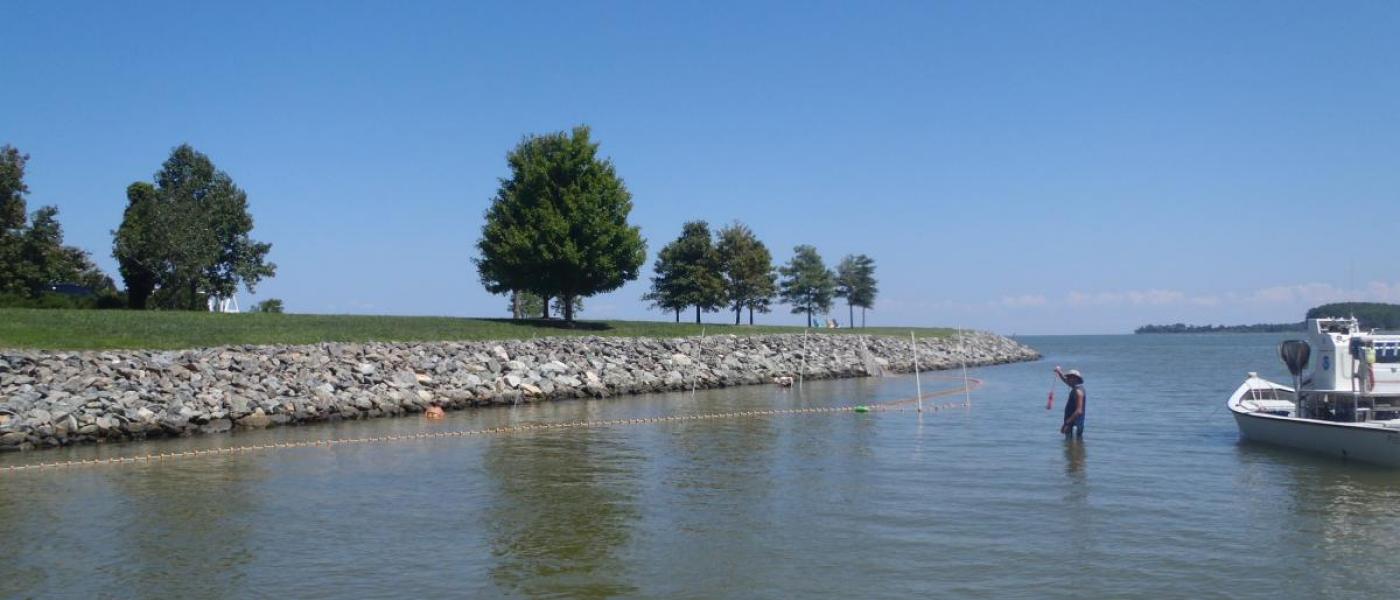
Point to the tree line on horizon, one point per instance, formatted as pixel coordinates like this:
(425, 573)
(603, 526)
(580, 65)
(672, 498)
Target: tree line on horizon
(1254, 328)
(184, 237)
(557, 231)
(1369, 315)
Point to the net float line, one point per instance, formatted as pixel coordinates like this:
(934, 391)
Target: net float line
(157, 457)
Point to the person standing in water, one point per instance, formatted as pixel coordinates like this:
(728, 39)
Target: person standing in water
(1074, 405)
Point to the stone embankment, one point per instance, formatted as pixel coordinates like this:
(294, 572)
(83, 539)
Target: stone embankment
(50, 398)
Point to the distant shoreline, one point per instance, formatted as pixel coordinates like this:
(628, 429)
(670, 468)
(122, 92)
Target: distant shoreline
(1370, 315)
(1257, 328)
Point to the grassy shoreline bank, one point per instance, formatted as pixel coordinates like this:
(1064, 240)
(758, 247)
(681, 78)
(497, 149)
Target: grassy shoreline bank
(59, 329)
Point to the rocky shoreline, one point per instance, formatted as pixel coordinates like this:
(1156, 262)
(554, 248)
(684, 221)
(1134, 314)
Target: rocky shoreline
(51, 398)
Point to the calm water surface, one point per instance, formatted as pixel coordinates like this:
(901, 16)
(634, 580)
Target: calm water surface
(1160, 500)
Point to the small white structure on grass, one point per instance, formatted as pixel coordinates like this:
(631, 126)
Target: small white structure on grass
(221, 304)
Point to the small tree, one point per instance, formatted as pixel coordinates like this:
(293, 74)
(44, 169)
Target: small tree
(761, 305)
(558, 226)
(747, 269)
(807, 284)
(44, 261)
(41, 251)
(855, 281)
(688, 272)
(847, 284)
(866, 286)
(665, 295)
(32, 254)
(271, 305)
(667, 291)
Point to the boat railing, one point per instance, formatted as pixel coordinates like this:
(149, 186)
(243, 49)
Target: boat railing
(1270, 394)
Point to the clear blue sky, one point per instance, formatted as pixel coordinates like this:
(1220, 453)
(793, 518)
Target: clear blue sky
(1025, 167)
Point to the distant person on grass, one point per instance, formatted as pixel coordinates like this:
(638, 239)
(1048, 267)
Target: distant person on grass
(1074, 405)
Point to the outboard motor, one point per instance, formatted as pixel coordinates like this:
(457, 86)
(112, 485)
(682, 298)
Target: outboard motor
(1295, 354)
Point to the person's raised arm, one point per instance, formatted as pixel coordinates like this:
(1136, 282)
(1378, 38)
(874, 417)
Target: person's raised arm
(1060, 374)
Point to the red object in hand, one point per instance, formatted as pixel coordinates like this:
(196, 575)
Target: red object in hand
(1049, 404)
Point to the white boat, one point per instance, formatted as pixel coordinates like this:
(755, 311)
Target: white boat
(1347, 402)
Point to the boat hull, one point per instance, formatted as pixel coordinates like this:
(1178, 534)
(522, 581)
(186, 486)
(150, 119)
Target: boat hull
(1364, 442)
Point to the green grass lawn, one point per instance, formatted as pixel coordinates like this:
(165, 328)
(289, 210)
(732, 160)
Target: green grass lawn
(106, 329)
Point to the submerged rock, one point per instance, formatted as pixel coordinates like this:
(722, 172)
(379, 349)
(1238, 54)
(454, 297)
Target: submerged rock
(257, 420)
(216, 426)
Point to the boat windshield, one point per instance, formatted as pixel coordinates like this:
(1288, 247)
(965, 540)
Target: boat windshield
(1388, 352)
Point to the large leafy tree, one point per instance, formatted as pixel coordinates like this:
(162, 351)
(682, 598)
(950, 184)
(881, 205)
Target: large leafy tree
(855, 282)
(688, 272)
(12, 218)
(807, 284)
(558, 226)
(747, 269)
(32, 254)
(190, 234)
